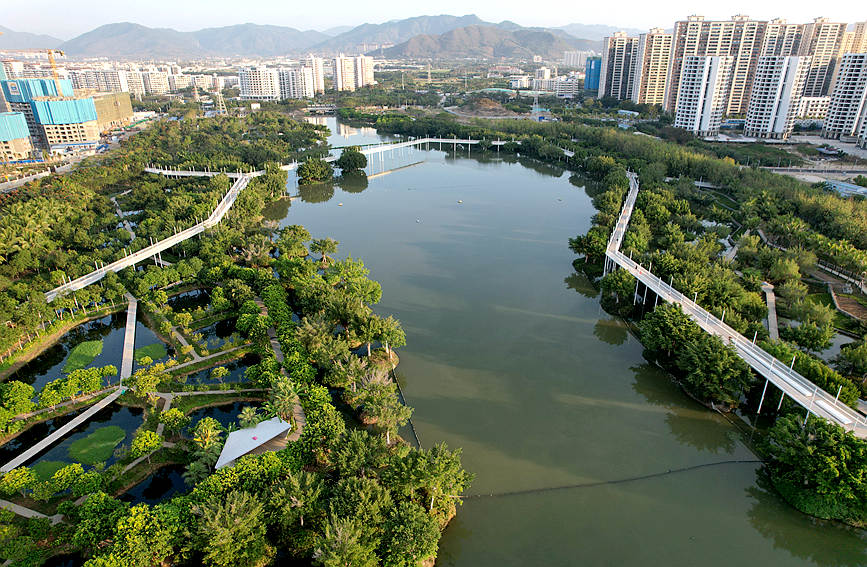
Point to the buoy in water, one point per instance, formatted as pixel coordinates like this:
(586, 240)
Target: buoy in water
(417, 220)
(339, 204)
(460, 201)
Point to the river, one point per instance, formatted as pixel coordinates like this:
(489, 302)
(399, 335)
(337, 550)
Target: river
(510, 357)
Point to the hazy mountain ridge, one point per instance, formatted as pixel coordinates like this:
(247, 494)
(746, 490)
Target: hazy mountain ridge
(11, 39)
(490, 42)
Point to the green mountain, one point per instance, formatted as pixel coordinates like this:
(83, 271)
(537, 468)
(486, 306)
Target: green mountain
(489, 42)
(128, 40)
(11, 39)
(395, 31)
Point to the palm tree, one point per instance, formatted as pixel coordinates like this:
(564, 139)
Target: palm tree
(284, 398)
(298, 495)
(324, 246)
(248, 417)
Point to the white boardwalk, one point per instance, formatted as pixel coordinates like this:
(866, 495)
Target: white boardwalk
(804, 392)
(128, 338)
(241, 181)
(60, 432)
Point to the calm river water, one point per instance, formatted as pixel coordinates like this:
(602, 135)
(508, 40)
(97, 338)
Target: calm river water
(510, 357)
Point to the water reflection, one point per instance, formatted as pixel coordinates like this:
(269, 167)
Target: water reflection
(316, 193)
(611, 331)
(158, 487)
(582, 284)
(827, 544)
(355, 182)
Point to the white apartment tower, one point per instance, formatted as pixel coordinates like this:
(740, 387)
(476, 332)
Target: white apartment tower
(259, 83)
(316, 66)
(823, 41)
(296, 83)
(618, 64)
(847, 112)
(776, 96)
(364, 71)
(344, 73)
(701, 97)
(782, 38)
(650, 71)
(740, 38)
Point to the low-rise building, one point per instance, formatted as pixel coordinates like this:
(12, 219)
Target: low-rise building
(112, 110)
(814, 107)
(14, 137)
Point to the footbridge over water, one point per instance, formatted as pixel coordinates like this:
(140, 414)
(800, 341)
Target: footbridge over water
(814, 399)
(241, 181)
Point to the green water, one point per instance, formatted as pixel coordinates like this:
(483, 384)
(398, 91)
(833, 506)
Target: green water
(510, 357)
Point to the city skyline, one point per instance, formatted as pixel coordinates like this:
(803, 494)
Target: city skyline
(36, 16)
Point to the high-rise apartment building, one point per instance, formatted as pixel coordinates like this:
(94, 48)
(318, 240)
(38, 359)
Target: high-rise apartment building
(782, 38)
(103, 80)
(315, 64)
(296, 83)
(822, 41)
(592, 71)
(259, 83)
(847, 112)
(776, 96)
(364, 71)
(155, 82)
(740, 38)
(619, 53)
(702, 93)
(344, 73)
(650, 70)
(576, 58)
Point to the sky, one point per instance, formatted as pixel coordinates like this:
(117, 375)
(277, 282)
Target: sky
(65, 20)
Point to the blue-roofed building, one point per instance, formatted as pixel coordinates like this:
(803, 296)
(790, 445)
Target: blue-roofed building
(26, 90)
(592, 72)
(14, 137)
(66, 124)
(63, 111)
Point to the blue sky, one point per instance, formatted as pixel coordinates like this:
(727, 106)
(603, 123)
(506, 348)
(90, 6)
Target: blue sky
(67, 19)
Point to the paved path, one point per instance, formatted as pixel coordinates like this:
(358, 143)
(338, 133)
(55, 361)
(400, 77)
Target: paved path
(804, 392)
(129, 337)
(64, 404)
(180, 338)
(27, 512)
(123, 220)
(204, 358)
(61, 432)
(298, 415)
(773, 326)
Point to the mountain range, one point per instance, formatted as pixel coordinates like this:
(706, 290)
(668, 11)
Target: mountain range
(489, 42)
(445, 35)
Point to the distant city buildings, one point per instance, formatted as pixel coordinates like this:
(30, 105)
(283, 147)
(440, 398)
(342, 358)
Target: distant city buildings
(576, 58)
(352, 73)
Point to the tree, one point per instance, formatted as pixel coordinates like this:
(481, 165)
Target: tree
(97, 518)
(820, 468)
(231, 532)
(809, 336)
(314, 170)
(343, 545)
(283, 399)
(411, 536)
(248, 417)
(143, 537)
(145, 443)
(324, 246)
(381, 404)
(391, 334)
(219, 373)
(852, 361)
(291, 241)
(666, 329)
(714, 373)
(443, 477)
(299, 495)
(20, 480)
(360, 454)
(174, 420)
(351, 159)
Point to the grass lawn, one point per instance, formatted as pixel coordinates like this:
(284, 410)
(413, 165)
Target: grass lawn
(46, 469)
(98, 446)
(155, 351)
(82, 355)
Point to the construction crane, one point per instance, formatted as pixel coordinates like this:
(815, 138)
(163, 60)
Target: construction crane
(51, 61)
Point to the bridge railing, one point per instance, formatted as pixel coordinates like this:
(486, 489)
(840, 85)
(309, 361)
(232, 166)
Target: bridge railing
(814, 399)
